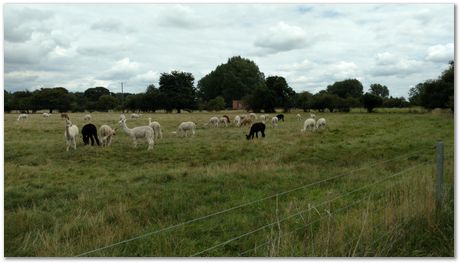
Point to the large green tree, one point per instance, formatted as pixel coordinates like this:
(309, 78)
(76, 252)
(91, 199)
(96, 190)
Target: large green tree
(177, 91)
(57, 98)
(379, 90)
(284, 95)
(438, 93)
(232, 80)
(371, 101)
(346, 88)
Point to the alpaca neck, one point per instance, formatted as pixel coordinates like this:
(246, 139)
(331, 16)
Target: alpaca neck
(126, 129)
(67, 133)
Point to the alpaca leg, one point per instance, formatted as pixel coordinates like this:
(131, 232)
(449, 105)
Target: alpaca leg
(109, 141)
(97, 140)
(193, 132)
(263, 134)
(92, 139)
(150, 142)
(74, 143)
(68, 145)
(257, 134)
(135, 143)
(161, 134)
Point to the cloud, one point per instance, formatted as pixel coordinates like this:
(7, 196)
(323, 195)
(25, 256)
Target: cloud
(180, 16)
(441, 53)
(107, 25)
(21, 23)
(121, 70)
(282, 37)
(388, 64)
(343, 70)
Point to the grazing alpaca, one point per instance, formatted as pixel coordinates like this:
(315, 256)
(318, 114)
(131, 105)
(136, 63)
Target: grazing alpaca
(321, 123)
(214, 121)
(226, 117)
(309, 124)
(280, 117)
(224, 121)
(275, 122)
(89, 131)
(313, 116)
(253, 116)
(255, 128)
(107, 134)
(186, 126)
(23, 116)
(299, 117)
(156, 128)
(87, 118)
(237, 121)
(70, 134)
(65, 116)
(46, 115)
(245, 121)
(138, 133)
(135, 116)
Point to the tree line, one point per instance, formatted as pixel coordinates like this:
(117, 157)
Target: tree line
(238, 79)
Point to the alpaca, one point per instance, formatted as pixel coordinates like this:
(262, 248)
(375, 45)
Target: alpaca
(214, 121)
(253, 116)
(23, 116)
(138, 133)
(237, 121)
(312, 115)
(309, 124)
(226, 117)
(89, 131)
(107, 134)
(87, 118)
(275, 122)
(156, 128)
(186, 126)
(299, 117)
(321, 123)
(70, 134)
(65, 116)
(224, 121)
(135, 116)
(245, 121)
(255, 128)
(280, 117)
(46, 114)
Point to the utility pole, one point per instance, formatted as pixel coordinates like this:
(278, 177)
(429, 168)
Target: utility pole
(122, 99)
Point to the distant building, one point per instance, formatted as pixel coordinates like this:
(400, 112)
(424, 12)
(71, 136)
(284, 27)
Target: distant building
(237, 105)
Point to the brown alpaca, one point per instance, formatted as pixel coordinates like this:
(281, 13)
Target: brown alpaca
(65, 116)
(246, 121)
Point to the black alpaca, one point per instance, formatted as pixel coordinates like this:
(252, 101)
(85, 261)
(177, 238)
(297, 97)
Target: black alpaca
(255, 128)
(89, 131)
(280, 117)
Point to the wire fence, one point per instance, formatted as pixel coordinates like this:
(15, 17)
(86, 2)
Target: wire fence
(278, 221)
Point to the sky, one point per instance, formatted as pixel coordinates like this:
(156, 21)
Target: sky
(80, 46)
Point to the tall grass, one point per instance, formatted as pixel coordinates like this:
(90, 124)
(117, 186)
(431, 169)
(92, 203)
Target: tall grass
(61, 203)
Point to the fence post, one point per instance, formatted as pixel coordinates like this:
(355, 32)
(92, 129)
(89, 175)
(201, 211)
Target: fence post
(439, 173)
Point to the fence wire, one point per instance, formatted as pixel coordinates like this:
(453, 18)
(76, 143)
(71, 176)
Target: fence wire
(247, 204)
(306, 210)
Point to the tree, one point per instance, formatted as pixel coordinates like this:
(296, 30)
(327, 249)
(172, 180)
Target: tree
(57, 98)
(371, 101)
(379, 90)
(395, 102)
(93, 94)
(437, 93)
(216, 104)
(22, 100)
(106, 102)
(304, 101)
(261, 98)
(346, 88)
(285, 95)
(232, 80)
(9, 101)
(177, 91)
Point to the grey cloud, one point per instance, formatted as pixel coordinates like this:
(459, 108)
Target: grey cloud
(107, 25)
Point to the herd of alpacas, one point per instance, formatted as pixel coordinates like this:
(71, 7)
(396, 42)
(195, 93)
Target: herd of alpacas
(153, 131)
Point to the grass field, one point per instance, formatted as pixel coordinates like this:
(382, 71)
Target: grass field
(60, 203)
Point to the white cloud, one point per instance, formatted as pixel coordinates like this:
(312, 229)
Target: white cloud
(388, 64)
(121, 70)
(343, 70)
(282, 37)
(441, 53)
(107, 25)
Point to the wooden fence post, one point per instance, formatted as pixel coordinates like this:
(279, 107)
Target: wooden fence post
(439, 174)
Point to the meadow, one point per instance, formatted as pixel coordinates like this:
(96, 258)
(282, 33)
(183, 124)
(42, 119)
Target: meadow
(362, 187)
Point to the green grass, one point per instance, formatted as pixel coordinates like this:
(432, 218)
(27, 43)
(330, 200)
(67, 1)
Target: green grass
(60, 203)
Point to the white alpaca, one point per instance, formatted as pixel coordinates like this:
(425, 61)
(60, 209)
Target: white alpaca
(237, 121)
(309, 124)
(321, 123)
(139, 133)
(313, 116)
(46, 114)
(23, 116)
(214, 121)
(253, 116)
(156, 128)
(275, 121)
(107, 134)
(224, 121)
(186, 126)
(135, 116)
(299, 117)
(70, 134)
(87, 118)
(262, 117)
